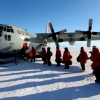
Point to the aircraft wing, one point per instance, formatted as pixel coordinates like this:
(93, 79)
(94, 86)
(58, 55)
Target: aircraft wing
(64, 36)
(70, 37)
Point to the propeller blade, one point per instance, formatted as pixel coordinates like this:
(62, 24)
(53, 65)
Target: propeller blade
(90, 25)
(51, 27)
(96, 33)
(56, 43)
(60, 32)
(88, 42)
(53, 36)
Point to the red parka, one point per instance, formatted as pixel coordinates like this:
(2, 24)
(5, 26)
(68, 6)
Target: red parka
(83, 56)
(43, 53)
(32, 53)
(95, 58)
(25, 46)
(58, 53)
(66, 56)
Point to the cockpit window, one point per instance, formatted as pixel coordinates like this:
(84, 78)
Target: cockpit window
(1, 28)
(8, 29)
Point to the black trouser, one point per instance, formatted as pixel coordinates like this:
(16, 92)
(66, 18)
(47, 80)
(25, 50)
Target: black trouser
(49, 62)
(83, 66)
(22, 53)
(33, 58)
(66, 64)
(44, 59)
(96, 72)
(58, 60)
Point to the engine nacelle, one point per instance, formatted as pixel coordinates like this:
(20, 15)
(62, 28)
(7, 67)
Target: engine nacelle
(71, 42)
(60, 40)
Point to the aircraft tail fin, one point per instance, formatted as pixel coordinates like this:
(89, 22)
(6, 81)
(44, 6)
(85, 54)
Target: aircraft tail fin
(48, 28)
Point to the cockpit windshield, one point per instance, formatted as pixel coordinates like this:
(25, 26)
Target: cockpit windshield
(8, 29)
(1, 28)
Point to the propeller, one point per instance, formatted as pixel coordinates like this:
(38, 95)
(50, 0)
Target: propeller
(55, 34)
(88, 32)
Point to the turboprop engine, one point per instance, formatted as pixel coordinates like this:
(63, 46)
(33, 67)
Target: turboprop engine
(71, 42)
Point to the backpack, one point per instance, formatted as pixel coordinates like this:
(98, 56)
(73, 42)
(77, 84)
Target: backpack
(51, 54)
(78, 59)
(70, 56)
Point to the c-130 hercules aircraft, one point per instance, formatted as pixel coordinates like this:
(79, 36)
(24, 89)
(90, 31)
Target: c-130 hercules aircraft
(12, 38)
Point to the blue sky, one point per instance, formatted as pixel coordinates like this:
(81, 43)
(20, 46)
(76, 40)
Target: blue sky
(33, 15)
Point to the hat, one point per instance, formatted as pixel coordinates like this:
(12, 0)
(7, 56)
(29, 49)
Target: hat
(82, 47)
(57, 47)
(65, 48)
(48, 48)
(94, 47)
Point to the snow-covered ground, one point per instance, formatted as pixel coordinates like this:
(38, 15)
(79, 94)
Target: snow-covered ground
(35, 81)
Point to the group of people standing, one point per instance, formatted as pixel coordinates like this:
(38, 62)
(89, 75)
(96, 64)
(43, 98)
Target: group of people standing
(82, 59)
(95, 58)
(66, 59)
(46, 57)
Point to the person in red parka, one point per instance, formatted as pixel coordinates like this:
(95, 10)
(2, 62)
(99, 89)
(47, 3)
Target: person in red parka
(32, 54)
(22, 51)
(66, 58)
(96, 71)
(58, 56)
(94, 57)
(83, 58)
(43, 53)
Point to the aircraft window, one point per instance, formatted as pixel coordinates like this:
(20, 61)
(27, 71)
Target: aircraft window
(9, 37)
(1, 28)
(8, 30)
(19, 32)
(4, 29)
(7, 26)
(0, 33)
(12, 31)
(5, 37)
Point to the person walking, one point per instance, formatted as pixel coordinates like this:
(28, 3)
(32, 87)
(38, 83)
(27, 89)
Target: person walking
(66, 58)
(22, 51)
(48, 56)
(58, 56)
(43, 54)
(83, 58)
(32, 54)
(94, 57)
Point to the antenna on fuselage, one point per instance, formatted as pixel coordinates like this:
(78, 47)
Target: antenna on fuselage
(25, 29)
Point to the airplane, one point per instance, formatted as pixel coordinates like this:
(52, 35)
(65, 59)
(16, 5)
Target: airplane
(12, 38)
